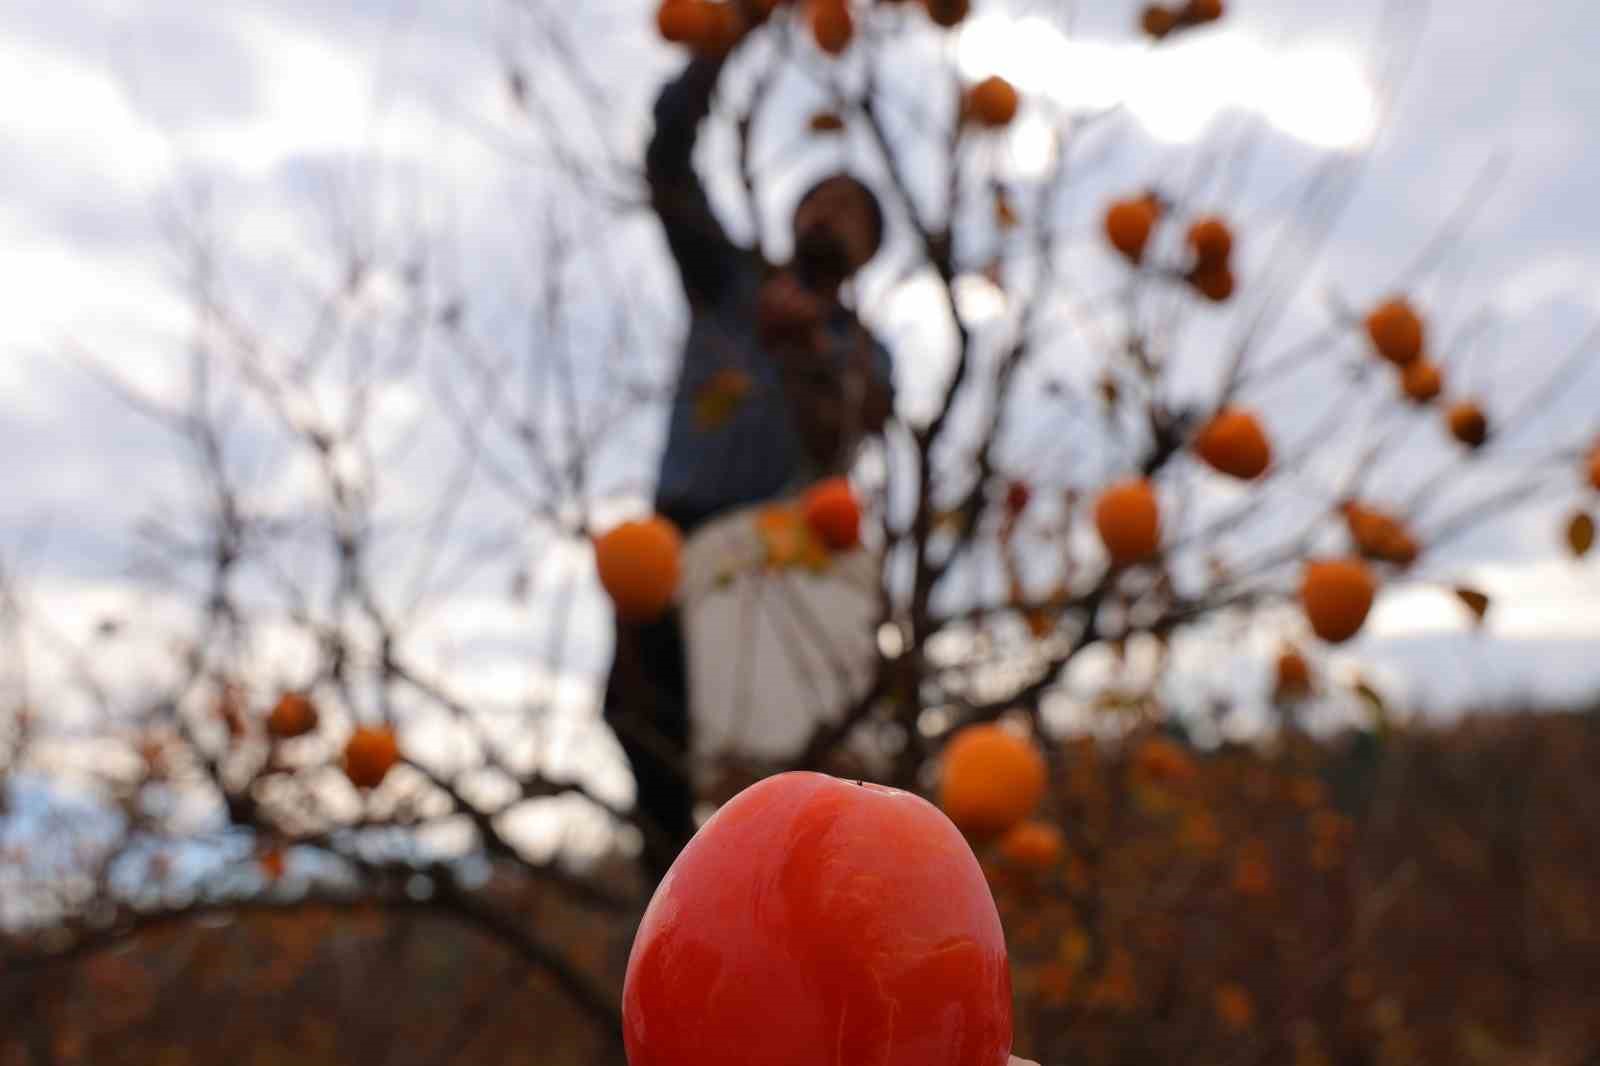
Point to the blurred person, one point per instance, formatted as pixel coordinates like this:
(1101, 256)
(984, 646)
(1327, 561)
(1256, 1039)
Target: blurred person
(807, 383)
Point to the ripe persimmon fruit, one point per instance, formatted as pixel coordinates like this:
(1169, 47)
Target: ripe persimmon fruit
(1396, 331)
(833, 514)
(1033, 846)
(814, 920)
(990, 779)
(1422, 381)
(1128, 519)
(1157, 21)
(369, 755)
(1234, 443)
(1380, 536)
(1468, 424)
(1211, 240)
(725, 27)
(639, 564)
(1214, 281)
(993, 102)
(832, 25)
(294, 715)
(1293, 676)
(1336, 595)
(1129, 223)
(684, 21)
(948, 13)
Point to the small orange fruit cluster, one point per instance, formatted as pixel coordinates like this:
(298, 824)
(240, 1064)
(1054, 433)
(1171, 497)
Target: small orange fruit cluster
(1159, 22)
(826, 519)
(639, 565)
(788, 538)
(1234, 443)
(1399, 336)
(1128, 519)
(1211, 242)
(990, 780)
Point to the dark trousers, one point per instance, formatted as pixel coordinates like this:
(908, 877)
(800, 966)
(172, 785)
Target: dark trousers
(647, 706)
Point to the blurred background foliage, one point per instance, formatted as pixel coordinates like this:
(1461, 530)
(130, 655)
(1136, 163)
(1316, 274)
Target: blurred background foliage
(1428, 898)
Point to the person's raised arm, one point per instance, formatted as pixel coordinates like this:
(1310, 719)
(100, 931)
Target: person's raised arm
(704, 253)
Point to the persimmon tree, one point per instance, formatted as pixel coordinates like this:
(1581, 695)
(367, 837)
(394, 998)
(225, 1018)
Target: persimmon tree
(1125, 421)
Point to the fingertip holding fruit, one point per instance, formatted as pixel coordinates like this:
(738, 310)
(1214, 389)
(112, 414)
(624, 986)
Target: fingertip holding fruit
(815, 920)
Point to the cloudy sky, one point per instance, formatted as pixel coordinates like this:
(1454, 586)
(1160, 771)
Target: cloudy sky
(118, 116)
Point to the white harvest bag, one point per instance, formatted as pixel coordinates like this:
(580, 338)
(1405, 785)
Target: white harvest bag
(773, 650)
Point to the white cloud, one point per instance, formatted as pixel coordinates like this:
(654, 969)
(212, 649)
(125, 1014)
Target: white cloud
(76, 115)
(1318, 94)
(1550, 277)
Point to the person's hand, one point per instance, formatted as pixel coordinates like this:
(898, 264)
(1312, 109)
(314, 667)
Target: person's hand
(786, 310)
(1022, 1062)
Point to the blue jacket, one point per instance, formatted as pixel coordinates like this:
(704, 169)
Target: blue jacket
(766, 442)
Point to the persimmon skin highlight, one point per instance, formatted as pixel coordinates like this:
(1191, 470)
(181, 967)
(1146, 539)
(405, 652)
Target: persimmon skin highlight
(820, 922)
